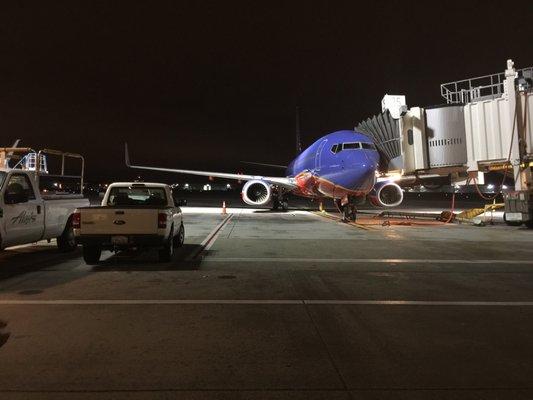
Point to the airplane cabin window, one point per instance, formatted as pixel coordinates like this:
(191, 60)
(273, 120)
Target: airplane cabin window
(351, 146)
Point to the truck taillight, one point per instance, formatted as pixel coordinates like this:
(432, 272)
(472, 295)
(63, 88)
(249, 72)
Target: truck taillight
(161, 220)
(76, 220)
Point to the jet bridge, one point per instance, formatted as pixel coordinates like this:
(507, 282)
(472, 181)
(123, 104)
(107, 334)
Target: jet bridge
(485, 125)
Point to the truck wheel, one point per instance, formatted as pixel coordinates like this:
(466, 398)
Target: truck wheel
(67, 241)
(180, 237)
(91, 254)
(166, 253)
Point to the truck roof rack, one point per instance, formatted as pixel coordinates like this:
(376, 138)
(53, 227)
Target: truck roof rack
(30, 160)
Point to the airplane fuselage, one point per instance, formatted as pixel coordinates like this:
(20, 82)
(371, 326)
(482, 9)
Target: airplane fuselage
(340, 164)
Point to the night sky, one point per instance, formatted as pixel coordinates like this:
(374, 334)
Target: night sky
(206, 84)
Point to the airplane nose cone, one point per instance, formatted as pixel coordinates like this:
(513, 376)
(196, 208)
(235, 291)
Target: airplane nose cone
(363, 176)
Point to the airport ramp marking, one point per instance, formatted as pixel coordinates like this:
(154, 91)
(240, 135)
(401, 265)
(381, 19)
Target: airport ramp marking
(340, 222)
(365, 260)
(267, 302)
(210, 239)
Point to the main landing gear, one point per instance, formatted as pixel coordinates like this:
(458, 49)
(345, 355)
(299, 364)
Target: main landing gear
(279, 200)
(348, 208)
(280, 203)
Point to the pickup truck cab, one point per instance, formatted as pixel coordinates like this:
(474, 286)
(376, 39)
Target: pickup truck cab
(27, 215)
(132, 215)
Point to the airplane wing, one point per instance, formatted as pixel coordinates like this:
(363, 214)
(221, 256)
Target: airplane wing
(287, 183)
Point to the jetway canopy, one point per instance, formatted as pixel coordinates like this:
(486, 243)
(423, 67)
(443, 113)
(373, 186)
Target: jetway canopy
(486, 121)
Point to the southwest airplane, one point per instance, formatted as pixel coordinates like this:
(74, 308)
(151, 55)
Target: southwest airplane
(342, 166)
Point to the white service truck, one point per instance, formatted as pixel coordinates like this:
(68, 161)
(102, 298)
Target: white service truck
(28, 214)
(132, 215)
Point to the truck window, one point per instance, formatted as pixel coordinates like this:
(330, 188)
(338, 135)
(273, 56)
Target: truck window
(21, 183)
(137, 196)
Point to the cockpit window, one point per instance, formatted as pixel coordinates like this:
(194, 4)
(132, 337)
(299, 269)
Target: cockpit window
(334, 148)
(368, 146)
(351, 146)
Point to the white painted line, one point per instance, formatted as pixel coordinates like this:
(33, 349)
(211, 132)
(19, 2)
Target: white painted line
(210, 238)
(144, 302)
(237, 210)
(272, 302)
(419, 303)
(365, 260)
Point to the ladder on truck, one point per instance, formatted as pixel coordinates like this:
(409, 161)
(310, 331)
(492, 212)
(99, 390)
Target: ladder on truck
(37, 161)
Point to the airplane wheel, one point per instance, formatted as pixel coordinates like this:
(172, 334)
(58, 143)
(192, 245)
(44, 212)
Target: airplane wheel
(349, 213)
(284, 205)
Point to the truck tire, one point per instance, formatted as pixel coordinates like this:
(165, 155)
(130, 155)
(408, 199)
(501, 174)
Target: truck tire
(166, 253)
(91, 254)
(67, 241)
(180, 237)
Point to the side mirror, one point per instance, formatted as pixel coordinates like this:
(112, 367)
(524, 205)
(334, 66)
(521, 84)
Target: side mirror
(15, 197)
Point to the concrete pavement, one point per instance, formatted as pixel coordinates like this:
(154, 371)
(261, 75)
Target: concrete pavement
(282, 305)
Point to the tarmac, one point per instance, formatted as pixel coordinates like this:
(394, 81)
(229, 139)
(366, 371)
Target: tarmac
(276, 305)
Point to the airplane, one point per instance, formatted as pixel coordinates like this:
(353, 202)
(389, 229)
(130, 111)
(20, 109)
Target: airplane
(342, 165)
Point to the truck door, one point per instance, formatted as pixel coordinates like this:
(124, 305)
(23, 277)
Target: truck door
(23, 213)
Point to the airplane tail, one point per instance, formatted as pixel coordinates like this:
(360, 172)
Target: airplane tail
(127, 155)
(298, 138)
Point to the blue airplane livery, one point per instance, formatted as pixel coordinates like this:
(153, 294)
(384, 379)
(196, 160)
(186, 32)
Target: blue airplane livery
(342, 165)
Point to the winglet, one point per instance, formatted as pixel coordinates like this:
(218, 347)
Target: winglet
(127, 155)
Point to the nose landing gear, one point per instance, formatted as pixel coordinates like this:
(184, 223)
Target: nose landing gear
(348, 208)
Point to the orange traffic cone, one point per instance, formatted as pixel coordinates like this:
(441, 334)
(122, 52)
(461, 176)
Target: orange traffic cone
(224, 212)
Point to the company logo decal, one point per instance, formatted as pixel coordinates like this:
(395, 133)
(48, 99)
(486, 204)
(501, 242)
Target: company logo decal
(24, 218)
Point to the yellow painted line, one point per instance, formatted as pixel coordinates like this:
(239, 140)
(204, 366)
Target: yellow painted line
(337, 219)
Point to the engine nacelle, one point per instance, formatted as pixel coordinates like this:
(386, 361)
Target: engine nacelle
(386, 194)
(256, 193)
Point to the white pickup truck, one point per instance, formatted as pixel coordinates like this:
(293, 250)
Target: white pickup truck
(132, 215)
(27, 216)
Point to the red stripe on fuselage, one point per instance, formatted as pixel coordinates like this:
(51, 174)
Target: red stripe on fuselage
(309, 185)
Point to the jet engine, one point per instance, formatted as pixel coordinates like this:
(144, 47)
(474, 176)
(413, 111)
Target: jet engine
(256, 193)
(386, 194)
